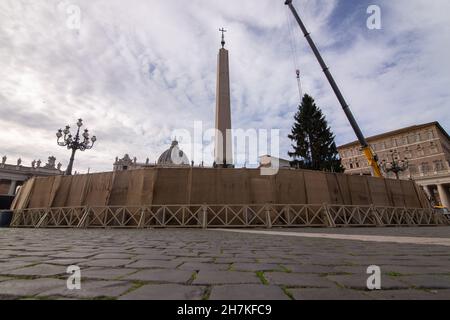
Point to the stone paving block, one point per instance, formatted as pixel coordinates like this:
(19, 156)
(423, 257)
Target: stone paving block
(247, 292)
(427, 281)
(298, 268)
(7, 252)
(385, 260)
(359, 281)
(250, 256)
(411, 270)
(24, 288)
(73, 255)
(145, 250)
(153, 256)
(113, 256)
(214, 253)
(253, 267)
(180, 253)
(105, 273)
(107, 263)
(235, 260)
(33, 253)
(154, 264)
(198, 266)
(65, 262)
(29, 259)
(273, 261)
(5, 258)
(4, 278)
(90, 290)
(161, 275)
(225, 277)
(440, 294)
(218, 255)
(410, 294)
(399, 262)
(328, 262)
(351, 269)
(11, 265)
(328, 294)
(181, 260)
(40, 270)
(165, 292)
(298, 280)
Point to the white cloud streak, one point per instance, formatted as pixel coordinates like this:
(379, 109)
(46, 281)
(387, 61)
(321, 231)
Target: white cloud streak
(137, 70)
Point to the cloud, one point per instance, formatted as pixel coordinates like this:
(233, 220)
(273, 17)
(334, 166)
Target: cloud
(137, 70)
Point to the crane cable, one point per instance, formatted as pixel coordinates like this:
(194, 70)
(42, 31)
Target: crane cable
(294, 51)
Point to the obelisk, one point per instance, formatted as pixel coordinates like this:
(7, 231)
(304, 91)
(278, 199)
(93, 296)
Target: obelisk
(223, 142)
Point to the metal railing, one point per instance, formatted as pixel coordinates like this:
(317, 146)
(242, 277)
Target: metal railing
(225, 216)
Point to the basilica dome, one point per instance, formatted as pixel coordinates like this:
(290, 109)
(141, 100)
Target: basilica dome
(174, 156)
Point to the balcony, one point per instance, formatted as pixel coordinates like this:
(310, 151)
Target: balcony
(430, 174)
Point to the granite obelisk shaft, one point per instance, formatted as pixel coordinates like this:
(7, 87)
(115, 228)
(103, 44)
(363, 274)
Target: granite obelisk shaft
(223, 142)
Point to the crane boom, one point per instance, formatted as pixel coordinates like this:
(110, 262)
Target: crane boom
(368, 152)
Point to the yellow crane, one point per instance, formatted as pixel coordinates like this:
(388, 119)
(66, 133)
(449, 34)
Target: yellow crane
(367, 150)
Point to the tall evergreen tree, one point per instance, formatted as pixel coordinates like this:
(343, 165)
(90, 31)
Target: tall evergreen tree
(313, 141)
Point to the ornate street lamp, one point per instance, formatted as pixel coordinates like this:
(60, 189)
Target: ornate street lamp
(396, 165)
(82, 143)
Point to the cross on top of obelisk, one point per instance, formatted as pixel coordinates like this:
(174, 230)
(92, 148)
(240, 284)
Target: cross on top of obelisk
(223, 36)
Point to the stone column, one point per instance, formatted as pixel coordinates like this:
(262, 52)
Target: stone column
(428, 192)
(444, 194)
(12, 188)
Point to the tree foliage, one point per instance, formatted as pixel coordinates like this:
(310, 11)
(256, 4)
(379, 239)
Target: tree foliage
(313, 141)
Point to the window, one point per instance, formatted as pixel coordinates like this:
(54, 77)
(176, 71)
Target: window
(433, 148)
(408, 153)
(394, 142)
(351, 165)
(420, 152)
(439, 165)
(425, 167)
(418, 137)
(431, 135)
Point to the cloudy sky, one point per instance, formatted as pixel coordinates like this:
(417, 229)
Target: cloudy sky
(137, 70)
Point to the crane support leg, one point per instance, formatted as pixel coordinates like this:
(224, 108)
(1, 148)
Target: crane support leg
(373, 161)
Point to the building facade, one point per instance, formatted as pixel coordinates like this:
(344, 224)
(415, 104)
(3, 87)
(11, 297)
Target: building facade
(426, 148)
(172, 157)
(13, 176)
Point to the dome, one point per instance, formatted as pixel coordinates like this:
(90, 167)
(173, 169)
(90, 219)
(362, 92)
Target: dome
(173, 156)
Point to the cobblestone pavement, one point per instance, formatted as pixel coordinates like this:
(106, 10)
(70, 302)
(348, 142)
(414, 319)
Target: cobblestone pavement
(216, 265)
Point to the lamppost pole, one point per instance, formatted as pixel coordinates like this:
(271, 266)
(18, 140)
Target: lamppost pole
(70, 166)
(74, 143)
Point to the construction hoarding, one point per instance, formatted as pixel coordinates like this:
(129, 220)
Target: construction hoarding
(184, 186)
